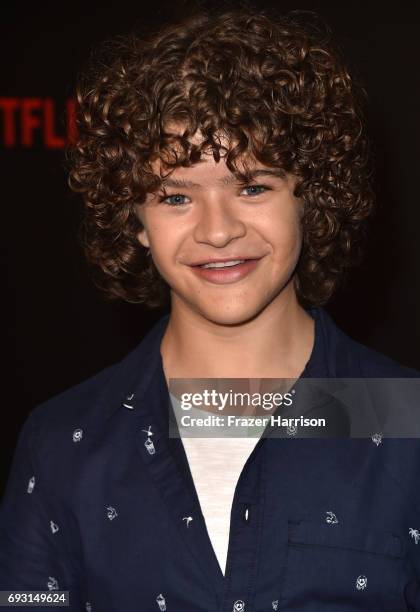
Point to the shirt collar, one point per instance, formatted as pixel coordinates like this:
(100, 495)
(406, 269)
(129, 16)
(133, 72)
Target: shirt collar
(141, 372)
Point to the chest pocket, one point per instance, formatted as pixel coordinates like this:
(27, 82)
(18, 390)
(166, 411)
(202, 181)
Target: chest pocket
(342, 567)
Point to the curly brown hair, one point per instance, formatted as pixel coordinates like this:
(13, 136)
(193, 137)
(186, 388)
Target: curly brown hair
(275, 85)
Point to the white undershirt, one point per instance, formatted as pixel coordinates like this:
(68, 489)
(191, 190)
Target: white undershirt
(215, 465)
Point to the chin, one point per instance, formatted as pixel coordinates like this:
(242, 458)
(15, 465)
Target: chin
(231, 316)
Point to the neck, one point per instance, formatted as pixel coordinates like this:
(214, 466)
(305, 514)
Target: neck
(275, 344)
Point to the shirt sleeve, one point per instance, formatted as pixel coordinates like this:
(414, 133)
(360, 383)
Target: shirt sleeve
(32, 557)
(413, 587)
(413, 549)
(415, 584)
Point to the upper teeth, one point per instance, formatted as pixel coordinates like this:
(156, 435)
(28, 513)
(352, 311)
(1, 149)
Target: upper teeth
(222, 264)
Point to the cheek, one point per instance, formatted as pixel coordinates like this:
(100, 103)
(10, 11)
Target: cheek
(164, 245)
(285, 234)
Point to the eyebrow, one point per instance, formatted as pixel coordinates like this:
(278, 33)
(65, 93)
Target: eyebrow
(228, 179)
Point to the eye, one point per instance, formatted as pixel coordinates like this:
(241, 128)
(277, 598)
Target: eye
(176, 199)
(253, 190)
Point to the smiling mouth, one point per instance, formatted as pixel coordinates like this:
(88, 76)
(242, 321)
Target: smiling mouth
(228, 271)
(231, 263)
(223, 264)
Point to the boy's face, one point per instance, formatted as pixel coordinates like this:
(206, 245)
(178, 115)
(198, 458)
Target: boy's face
(207, 215)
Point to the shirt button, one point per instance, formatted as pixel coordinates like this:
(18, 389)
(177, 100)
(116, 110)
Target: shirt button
(31, 484)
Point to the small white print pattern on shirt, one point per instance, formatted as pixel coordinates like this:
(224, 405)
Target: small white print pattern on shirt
(161, 601)
(188, 519)
(111, 513)
(54, 527)
(150, 446)
(291, 430)
(377, 438)
(88, 606)
(275, 604)
(148, 431)
(239, 606)
(127, 403)
(331, 519)
(415, 534)
(52, 583)
(361, 583)
(77, 435)
(31, 484)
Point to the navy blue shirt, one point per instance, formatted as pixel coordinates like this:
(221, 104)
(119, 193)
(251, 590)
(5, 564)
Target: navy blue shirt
(316, 524)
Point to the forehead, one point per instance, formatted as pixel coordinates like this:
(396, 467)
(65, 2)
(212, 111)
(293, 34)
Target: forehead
(208, 170)
(163, 164)
(211, 165)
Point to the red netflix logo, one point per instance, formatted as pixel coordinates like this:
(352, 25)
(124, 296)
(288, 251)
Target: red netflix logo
(30, 122)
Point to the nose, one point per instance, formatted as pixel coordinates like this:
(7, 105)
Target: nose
(218, 223)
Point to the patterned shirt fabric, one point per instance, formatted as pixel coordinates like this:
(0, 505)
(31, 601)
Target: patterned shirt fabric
(101, 502)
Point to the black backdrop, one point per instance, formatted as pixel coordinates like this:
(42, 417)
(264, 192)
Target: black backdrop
(59, 330)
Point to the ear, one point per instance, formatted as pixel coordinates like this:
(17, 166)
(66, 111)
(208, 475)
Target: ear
(143, 238)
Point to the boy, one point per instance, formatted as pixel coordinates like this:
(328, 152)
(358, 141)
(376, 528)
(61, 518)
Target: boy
(224, 166)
